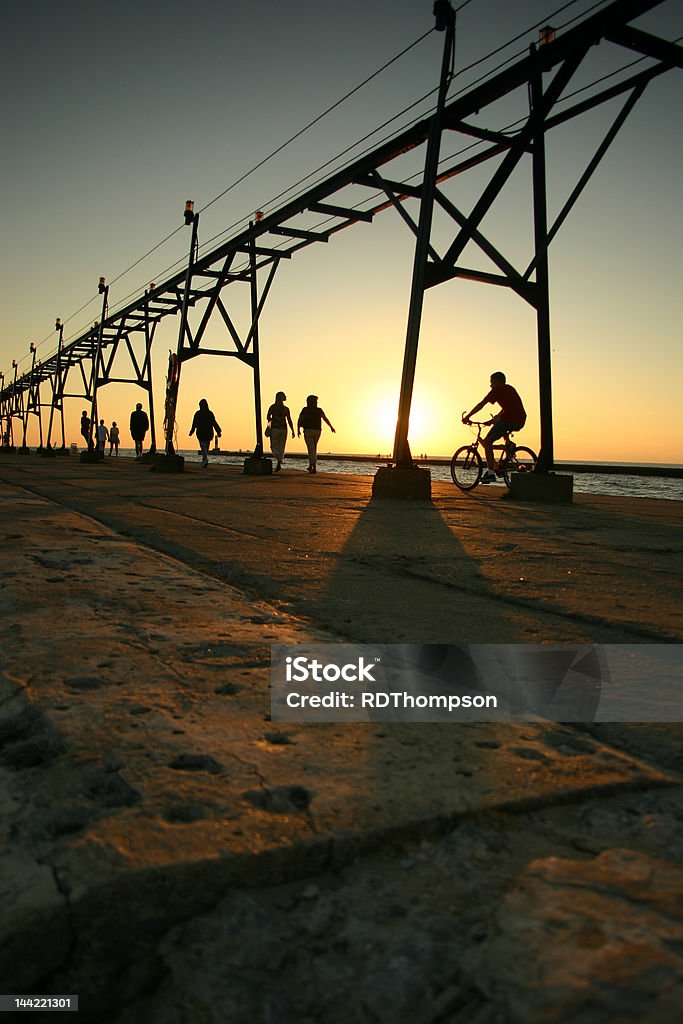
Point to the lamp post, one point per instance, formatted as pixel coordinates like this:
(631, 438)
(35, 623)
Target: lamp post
(445, 21)
(173, 379)
(2, 410)
(32, 350)
(59, 327)
(149, 335)
(258, 451)
(404, 479)
(10, 428)
(103, 289)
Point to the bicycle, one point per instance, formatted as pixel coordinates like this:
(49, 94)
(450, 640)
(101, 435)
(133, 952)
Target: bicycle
(468, 467)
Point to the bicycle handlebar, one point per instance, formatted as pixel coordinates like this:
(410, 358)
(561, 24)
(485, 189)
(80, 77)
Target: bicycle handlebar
(477, 423)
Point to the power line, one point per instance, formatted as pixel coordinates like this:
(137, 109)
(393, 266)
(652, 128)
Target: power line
(315, 120)
(358, 142)
(256, 167)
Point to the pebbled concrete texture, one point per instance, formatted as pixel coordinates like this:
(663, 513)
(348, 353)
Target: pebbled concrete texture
(142, 782)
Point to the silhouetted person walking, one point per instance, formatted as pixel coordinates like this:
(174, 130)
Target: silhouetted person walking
(102, 436)
(139, 425)
(85, 429)
(310, 420)
(204, 423)
(278, 417)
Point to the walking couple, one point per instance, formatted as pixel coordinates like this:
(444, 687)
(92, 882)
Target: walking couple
(310, 421)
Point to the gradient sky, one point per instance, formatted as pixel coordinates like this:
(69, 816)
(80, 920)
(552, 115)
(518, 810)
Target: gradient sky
(113, 116)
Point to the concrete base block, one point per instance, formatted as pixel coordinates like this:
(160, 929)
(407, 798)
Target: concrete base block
(258, 466)
(92, 456)
(402, 482)
(161, 463)
(47, 453)
(547, 487)
(147, 459)
(23, 450)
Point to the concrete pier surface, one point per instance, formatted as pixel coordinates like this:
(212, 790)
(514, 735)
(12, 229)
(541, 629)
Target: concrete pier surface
(171, 855)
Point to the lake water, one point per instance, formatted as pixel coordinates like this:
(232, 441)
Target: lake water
(621, 484)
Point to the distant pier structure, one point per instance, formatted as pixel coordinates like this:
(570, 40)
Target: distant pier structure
(357, 193)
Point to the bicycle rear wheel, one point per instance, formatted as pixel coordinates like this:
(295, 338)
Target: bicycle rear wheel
(523, 461)
(466, 468)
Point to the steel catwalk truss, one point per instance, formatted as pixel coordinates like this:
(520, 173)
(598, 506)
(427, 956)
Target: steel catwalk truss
(278, 236)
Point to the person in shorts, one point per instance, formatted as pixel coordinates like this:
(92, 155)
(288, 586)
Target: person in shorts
(512, 416)
(113, 439)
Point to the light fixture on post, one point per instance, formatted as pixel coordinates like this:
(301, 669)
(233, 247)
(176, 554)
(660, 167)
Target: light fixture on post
(256, 464)
(546, 35)
(10, 428)
(403, 479)
(2, 431)
(56, 390)
(92, 454)
(170, 461)
(444, 14)
(24, 447)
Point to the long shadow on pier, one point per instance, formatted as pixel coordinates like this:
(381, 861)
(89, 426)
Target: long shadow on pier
(403, 576)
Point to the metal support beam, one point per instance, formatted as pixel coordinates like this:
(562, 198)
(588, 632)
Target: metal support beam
(104, 290)
(310, 236)
(546, 454)
(648, 45)
(592, 165)
(402, 456)
(340, 211)
(30, 398)
(258, 450)
(150, 329)
(172, 401)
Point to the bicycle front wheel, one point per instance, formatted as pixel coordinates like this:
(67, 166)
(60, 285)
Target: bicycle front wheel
(466, 468)
(523, 461)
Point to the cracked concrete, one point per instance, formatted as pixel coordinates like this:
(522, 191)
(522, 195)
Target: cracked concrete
(142, 781)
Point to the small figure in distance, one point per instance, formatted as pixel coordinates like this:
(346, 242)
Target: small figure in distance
(139, 425)
(204, 423)
(278, 417)
(102, 436)
(511, 417)
(310, 420)
(113, 438)
(85, 429)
